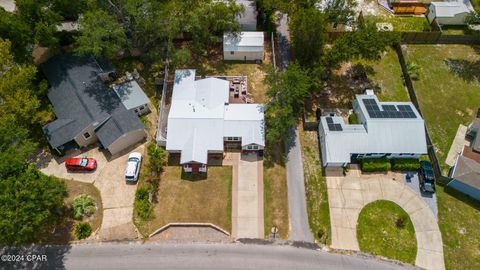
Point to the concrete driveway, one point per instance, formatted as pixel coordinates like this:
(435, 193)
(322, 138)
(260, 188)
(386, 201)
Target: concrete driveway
(247, 195)
(348, 195)
(117, 196)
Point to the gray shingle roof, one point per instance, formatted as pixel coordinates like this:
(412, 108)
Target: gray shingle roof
(131, 95)
(78, 96)
(116, 126)
(467, 171)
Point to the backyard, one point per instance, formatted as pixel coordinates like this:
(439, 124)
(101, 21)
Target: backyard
(402, 23)
(449, 95)
(192, 198)
(385, 229)
(315, 187)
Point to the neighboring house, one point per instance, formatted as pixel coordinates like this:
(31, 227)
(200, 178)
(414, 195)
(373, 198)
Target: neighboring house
(417, 7)
(202, 123)
(465, 172)
(133, 97)
(385, 129)
(87, 110)
(248, 18)
(244, 46)
(450, 13)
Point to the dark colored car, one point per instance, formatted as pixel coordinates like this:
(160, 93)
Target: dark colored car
(80, 164)
(425, 177)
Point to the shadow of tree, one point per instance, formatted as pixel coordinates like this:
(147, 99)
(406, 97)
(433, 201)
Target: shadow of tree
(462, 197)
(465, 69)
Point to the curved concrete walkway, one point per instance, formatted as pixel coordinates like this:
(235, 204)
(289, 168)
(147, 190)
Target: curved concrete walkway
(348, 195)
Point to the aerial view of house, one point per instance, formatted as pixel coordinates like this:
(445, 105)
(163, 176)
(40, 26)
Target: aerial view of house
(450, 12)
(385, 129)
(87, 110)
(202, 123)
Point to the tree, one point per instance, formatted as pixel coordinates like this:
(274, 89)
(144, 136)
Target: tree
(29, 200)
(101, 35)
(365, 42)
(19, 34)
(17, 93)
(339, 11)
(157, 157)
(307, 30)
(288, 91)
(83, 230)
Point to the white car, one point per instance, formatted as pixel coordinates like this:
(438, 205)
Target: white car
(133, 167)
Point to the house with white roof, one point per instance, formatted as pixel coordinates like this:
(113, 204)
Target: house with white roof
(450, 12)
(243, 46)
(202, 124)
(385, 129)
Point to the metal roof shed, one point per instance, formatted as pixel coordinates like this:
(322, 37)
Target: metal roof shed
(244, 46)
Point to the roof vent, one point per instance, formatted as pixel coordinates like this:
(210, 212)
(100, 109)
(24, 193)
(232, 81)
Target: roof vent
(369, 92)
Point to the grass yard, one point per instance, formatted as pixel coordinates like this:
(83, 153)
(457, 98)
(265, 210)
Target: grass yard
(63, 232)
(386, 74)
(275, 192)
(192, 198)
(459, 219)
(449, 95)
(315, 187)
(448, 89)
(385, 229)
(403, 23)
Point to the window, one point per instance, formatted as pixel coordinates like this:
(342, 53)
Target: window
(230, 139)
(232, 52)
(86, 135)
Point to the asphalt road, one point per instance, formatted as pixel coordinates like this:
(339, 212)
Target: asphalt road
(299, 227)
(195, 256)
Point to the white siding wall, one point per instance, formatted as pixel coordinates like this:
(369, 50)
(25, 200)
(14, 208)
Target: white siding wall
(459, 19)
(242, 56)
(81, 141)
(126, 141)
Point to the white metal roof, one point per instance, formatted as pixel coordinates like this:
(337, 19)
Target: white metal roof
(131, 95)
(243, 41)
(200, 117)
(375, 135)
(452, 8)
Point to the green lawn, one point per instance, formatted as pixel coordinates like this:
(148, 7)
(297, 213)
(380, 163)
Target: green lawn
(275, 192)
(476, 5)
(315, 188)
(448, 89)
(402, 23)
(459, 219)
(386, 75)
(385, 229)
(449, 95)
(186, 198)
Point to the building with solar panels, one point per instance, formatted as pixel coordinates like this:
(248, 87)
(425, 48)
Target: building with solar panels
(385, 129)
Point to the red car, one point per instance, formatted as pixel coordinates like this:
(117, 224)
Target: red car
(80, 164)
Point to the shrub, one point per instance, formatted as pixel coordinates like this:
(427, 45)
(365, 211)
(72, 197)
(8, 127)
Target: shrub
(473, 18)
(157, 157)
(375, 164)
(143, 207)
(352, 119)
(83, 230)
(405, 164)
(83, 205)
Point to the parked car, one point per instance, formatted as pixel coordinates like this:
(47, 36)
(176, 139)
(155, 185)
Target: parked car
(133, 167)
(80, 164)
(425, 177)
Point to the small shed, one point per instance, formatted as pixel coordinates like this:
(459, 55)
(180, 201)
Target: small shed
(133, 97)
(450, 13)
(244, 46)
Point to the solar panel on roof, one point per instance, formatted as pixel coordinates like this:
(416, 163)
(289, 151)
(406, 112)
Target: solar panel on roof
(388, 111)
(329, 120)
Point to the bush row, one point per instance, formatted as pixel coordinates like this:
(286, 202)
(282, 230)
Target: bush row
(143, 207)
(384, 164)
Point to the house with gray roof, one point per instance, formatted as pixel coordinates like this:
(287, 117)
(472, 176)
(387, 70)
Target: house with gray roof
(87, 110)
(133, 97)
(385, 129)
(465, 173)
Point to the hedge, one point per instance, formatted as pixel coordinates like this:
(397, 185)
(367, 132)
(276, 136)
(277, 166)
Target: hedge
(375, 164)
(143, 207)
(352, 119)
(405, 164)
